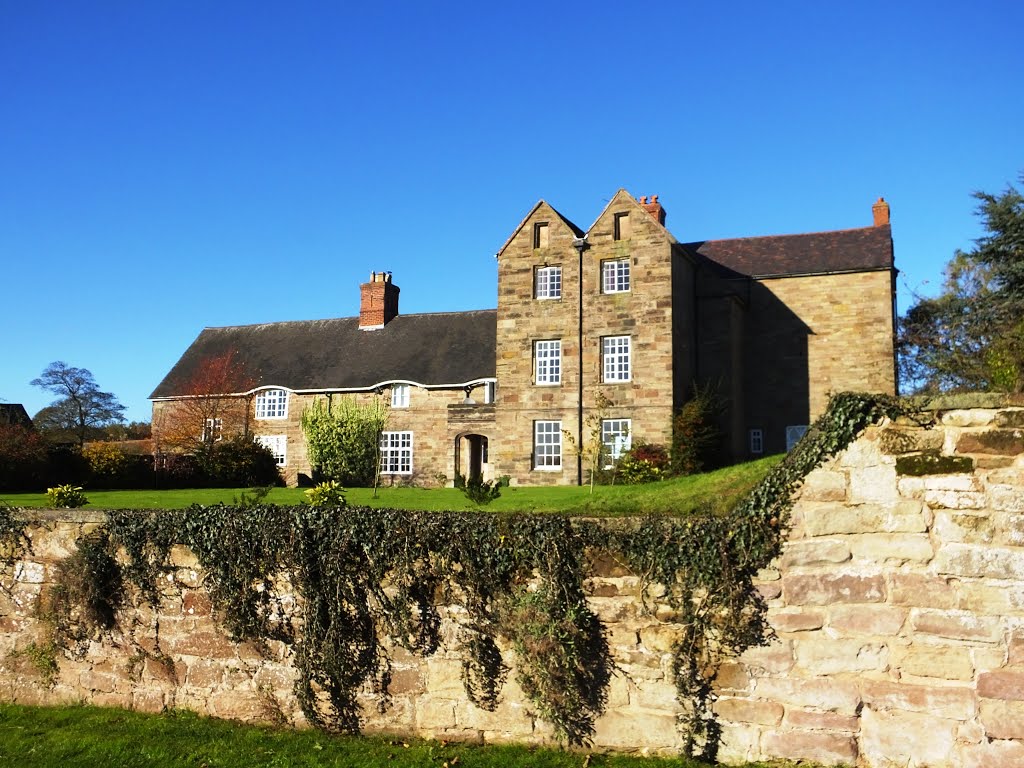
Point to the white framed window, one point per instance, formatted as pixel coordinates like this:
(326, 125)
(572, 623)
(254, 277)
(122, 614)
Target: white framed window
(547, 282)
(272, 404)
(615, 354)
(793, 435)
(547, 362)
(490, 390)
(213, 430)
(616, 434)
(757, 441)
(277, 445)
(615, 276)
(400, 395)
(547, 445)
(396, 453)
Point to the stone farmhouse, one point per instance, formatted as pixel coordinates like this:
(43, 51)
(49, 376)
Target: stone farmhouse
(775, 324)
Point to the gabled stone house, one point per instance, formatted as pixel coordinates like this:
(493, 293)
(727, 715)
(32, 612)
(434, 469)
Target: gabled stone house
(775, 324)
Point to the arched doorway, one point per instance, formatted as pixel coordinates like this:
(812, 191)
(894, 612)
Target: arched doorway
(471, 459)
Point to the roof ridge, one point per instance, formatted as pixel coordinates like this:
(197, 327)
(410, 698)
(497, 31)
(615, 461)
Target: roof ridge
(338, 319)
(793, 234)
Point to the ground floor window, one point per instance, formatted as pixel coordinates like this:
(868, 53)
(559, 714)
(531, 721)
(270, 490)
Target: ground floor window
(793, 435)
(396, 453)
(277, 445)
(213, 430)
(615, 434)
(756, 441)
(547, 445)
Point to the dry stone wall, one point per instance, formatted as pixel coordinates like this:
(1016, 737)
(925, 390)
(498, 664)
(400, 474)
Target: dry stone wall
(898, 609)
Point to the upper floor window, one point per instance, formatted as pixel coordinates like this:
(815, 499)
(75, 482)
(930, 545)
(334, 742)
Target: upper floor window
(396, 453)
(213, 430)
(540, 234)
(400, 396)
(615, 435)
(547, 362)
(277, 445)
(615, 276)
(547, 282)
(489, 391)
(623, 230)
(615, 354)
(272, 404)
(547, 445)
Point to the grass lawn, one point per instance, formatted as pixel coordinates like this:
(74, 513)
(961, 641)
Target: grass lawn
(91, 737)
(719, 489)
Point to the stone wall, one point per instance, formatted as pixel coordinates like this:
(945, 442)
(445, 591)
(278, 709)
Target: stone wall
(898, 606)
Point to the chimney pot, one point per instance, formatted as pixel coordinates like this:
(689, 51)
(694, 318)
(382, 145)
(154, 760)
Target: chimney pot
(654, 208)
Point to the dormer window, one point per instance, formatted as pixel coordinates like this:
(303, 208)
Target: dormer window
(623, 230)
(547, 282)
(540, 235)
(272, 404)
(400, 396)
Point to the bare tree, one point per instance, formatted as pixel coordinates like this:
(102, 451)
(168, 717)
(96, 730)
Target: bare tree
(81, 400)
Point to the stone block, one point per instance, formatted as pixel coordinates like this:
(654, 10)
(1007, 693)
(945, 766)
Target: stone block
(892, 547)
(943, 701)
(1011, 417)
(1003, 719)
(873, 484)
(755, 711)
(1000, 442)
(660, 638)
(905, 738)
(740, 743)
(823, 485)
(954, 499)
(205, 644)
(816, 746)
(616, 729)
(435, 714)
(732, 677)
(1005, 684)
(979, 562)
(828, 588)
(943, 662)
(957, 625)
(444, 677)
(822, 655)
(904, 516)
(881, 620)
(915, 589)
(967, 417)
(1006, 498)
(809, 719)
(774, 658)
(1015, 651)
(815, 552)
(993, 754)
(840, 696)
(796, 619)
(955, 526)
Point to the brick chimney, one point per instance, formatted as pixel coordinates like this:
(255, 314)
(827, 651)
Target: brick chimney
(881, 212)
(378, 301)
(654, 208)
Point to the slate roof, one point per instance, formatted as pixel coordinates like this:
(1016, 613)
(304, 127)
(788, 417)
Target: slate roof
(15, 414)
(846, 250)
(321, 355)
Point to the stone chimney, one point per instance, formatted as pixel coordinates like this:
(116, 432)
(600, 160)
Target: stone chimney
(654, 208)
(378, 301)
(881, 212)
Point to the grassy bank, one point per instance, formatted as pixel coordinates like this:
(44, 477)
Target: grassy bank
(91, 737)
(719, 490)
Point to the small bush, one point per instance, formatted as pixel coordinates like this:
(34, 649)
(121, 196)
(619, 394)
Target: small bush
(643, 463)
(478, 490)
(328, 494)
(236, 462)
(695, 433)
(66, 496)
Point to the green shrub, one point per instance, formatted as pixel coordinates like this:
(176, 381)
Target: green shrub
(478, 490)
(236, 462)
(695, 433)
(327, 494)
(66, 496)
(23, 458)
(643, 463)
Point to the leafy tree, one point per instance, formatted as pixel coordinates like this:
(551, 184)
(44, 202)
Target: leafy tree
(23, 458)
(593, 453)
(971, 336)
(211, 406)
(343, 438)
(81, 403)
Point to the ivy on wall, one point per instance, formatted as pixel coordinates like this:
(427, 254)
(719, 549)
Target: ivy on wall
(370, 580)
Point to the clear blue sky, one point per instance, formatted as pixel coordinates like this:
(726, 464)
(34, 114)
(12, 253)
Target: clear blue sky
(166, 166)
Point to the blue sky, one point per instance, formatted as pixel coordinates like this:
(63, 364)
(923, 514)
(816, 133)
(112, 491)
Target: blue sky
(166, 166)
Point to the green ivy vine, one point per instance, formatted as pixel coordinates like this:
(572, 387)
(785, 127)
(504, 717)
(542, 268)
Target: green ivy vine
(372, 579)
